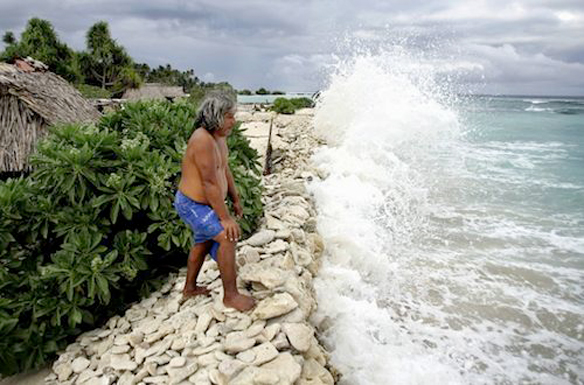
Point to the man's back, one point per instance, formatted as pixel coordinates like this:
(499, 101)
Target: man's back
(191, 183)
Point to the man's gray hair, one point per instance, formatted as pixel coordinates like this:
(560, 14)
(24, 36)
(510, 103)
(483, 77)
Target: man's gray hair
(211, 112)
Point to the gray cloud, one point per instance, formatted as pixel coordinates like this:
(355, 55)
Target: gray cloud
(515, 47)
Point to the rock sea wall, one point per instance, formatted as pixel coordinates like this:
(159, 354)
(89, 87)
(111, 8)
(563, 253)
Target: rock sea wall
(163, 340)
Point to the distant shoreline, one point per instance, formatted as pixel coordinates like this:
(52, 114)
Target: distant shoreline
(269, 98)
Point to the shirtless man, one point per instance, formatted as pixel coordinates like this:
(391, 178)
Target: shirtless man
(200, 200)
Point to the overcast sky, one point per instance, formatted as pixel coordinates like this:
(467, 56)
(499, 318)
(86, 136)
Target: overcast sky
(507, 47)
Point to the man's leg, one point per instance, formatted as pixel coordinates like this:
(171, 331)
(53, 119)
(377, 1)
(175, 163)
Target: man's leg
(196, 259)
(226, 259)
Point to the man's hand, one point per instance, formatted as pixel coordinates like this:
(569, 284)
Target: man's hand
(232, 231)
(237, 210)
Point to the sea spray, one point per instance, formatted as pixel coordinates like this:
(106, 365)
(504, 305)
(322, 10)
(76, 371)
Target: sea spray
(371, 205)
(424, 281)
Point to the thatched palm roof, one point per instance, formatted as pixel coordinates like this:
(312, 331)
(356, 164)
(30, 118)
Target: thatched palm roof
(47, 94)
(30, 100)
(154, 91)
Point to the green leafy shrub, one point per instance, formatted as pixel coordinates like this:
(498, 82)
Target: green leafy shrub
(289, 106)
(302, 103)
(93, 227)
(93, 92)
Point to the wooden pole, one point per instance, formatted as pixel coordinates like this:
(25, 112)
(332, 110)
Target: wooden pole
(268, 162)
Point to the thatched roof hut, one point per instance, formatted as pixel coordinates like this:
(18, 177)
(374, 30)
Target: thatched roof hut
(31, 100)
(154, 91)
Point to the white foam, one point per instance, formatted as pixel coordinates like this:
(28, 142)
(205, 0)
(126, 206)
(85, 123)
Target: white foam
(410, 298)
(538, 109)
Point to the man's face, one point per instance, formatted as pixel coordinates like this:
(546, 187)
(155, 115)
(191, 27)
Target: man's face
(228, 122)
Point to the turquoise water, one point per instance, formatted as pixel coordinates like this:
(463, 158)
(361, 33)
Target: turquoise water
(266, 99)
(527, 155)
(454, 234)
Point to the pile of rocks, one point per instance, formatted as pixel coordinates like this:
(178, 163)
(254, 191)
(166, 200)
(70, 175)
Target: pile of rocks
(163, 340)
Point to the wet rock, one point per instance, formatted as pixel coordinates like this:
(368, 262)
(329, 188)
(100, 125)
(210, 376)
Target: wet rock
(275, 306)
(299, 335)
(156, 380)
(298, 237)
(103, 380)
(176, 375)
(296, 315)
(120, 349)
(79, 364)
(201, 377)
(284, 234)
(86, 375)
(278, 246)
(208, 359)
(261, 238)
(286, 367)
(281, 341)
(238, 344)
(269, 333)
(316, 352)
(152, 368)
(247, 356)
(230, 368)
(248, 255)
(301, 256)
(126, 379)
(63, 371)
(142, 373)
(256, 328)
(178, 343)
(204, 350)
(264, 353)
(216, 377)
(203, 322)
(246, 376)
(273, 223)
(135, 314)
(135, 338)
(269, 277)
(148, 325)
(122, 362)
(314, 373)
(177, 362)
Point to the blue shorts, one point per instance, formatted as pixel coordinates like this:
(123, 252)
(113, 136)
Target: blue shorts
(202, 220)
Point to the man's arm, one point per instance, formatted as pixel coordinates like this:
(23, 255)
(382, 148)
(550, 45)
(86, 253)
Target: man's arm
(231, 189)
(232, 192)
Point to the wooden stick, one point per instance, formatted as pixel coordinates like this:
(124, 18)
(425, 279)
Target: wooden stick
(268, 162)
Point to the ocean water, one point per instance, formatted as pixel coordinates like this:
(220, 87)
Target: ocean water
(454, 231)
(265, 99)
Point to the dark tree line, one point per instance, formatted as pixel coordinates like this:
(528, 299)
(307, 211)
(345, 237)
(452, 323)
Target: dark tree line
(104, 63)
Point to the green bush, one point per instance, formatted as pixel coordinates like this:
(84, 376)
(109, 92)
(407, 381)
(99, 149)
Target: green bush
(283, 106)
(289, 106)
(93, 92)
(93, 227)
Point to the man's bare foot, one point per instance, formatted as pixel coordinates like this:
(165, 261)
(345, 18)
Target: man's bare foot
(239, 302)
(198, 290)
